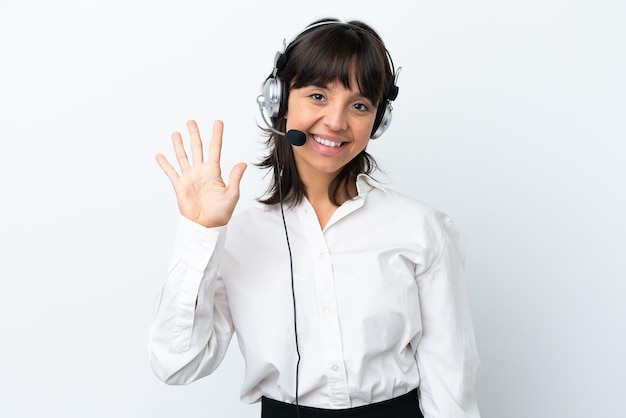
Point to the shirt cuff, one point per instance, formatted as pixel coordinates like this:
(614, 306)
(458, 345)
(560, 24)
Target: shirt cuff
(195, 244)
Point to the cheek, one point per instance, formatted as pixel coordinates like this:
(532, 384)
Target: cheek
(365, 128)
(298, 115)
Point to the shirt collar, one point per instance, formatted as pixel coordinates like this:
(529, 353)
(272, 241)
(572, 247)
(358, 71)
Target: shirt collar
(365, 184)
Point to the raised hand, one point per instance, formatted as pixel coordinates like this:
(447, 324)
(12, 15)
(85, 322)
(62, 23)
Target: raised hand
(202, 195)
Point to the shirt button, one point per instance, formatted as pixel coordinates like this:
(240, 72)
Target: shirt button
(328, 311)
(321, 256)
(335, 368)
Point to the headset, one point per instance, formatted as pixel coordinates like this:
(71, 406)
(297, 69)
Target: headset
(272, 101)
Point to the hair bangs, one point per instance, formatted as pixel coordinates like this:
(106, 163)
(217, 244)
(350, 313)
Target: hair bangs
(339, 54)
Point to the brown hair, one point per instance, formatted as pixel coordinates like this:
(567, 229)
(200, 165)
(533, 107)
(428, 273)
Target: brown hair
(320, 55)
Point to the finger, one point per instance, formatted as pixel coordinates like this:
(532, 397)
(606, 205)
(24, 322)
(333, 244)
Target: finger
(234, 180)
(167, 168)
(215, 146)
(197, 155)
(179, 150)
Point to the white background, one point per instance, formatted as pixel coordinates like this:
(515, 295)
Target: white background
(510, 118)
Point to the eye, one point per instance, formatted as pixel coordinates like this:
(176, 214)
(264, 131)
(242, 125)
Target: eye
(317, 97)
(361, 106)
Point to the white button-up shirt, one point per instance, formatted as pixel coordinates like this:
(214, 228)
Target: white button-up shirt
(380, 298)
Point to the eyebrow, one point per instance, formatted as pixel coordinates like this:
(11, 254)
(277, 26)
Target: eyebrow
(327, 86)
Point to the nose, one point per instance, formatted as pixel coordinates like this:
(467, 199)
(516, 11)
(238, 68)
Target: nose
(335, 117)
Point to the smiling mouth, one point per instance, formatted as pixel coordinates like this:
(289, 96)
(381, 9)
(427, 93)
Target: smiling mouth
(326, 142)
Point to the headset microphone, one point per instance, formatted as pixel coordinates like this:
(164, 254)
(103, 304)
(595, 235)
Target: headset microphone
(295, 137)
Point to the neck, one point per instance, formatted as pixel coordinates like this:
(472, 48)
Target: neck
(317, 195)
(316, 189)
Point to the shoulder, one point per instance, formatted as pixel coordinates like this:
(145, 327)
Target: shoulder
(249, 229)
(376, 193)
(393, 203)
(402, 212)
(253, 214)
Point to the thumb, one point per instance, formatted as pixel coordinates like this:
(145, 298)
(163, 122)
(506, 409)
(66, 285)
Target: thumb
(235, 177)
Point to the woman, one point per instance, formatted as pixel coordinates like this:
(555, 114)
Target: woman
(346, 298)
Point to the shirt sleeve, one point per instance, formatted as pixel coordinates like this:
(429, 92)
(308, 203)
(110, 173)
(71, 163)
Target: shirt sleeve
(446, 354)
(192, 325)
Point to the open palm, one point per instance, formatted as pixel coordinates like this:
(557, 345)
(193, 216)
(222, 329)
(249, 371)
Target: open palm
(201, 193)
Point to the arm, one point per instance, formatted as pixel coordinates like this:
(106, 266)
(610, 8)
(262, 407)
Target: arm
(192, 325)
(446, 355)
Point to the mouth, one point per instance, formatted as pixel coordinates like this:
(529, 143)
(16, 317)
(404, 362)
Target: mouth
(326, 142)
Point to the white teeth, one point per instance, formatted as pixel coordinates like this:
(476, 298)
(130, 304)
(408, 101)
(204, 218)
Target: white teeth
(326, 142)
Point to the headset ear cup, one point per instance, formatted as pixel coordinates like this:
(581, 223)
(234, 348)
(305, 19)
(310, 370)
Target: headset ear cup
(272, 97)
(283, 99)
(382, 123)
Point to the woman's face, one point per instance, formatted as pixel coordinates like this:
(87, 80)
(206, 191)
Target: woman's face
(337, 122)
